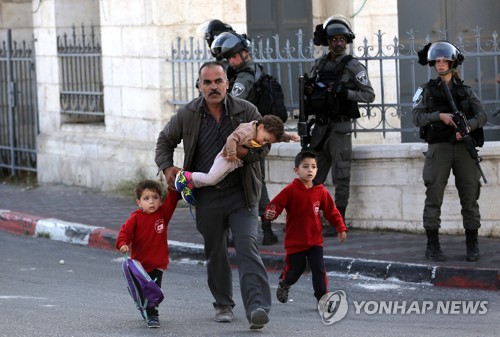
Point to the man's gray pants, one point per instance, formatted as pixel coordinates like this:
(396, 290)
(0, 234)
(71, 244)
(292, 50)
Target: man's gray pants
(216, 211)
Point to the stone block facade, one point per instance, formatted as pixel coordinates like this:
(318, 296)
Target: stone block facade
(136, 38)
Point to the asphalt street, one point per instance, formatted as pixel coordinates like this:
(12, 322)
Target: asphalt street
(88, 217)
(86, 296)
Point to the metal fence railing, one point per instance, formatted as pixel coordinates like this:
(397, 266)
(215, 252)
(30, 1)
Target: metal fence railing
(81, 77)
(18, 106)
(392, 67)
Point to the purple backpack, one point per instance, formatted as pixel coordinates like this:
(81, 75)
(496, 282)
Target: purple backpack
(144, 291)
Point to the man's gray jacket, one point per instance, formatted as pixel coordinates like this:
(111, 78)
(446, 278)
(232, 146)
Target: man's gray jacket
(185, 126)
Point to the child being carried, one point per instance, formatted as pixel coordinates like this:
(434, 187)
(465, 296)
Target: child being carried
(269, 129)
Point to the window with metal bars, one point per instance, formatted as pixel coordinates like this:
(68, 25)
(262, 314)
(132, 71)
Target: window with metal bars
(81, 81)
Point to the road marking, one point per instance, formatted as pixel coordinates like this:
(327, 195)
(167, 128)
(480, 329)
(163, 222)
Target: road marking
(22, 298)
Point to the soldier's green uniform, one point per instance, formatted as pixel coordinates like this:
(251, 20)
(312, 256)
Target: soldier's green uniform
(338, 82)
(241, 84)
(447, 151)
(444, 153)
(335, 146)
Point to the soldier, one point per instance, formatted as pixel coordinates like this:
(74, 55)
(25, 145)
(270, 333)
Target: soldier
(337, 83)
(242, 71)
(209, 30)
(432, 112)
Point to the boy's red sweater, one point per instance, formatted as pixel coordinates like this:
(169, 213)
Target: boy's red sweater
(147, 234)
(303, 223)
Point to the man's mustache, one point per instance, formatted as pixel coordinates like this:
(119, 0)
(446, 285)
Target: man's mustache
(214, 92)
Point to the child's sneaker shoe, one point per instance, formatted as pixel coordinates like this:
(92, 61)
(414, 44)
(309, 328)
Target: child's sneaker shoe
(153, 322)
(182, 180)
(188, 195)
(282, 292)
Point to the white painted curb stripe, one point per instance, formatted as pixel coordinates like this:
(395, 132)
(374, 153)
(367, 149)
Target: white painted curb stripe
(65, 231)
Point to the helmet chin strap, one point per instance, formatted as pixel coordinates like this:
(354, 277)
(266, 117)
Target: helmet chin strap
(444, 73)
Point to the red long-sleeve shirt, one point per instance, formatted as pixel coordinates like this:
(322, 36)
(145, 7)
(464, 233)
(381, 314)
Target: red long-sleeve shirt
(303, 223)
(147, 234)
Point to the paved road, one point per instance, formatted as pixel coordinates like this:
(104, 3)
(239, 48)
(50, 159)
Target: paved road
(382, 254)
(87, 297)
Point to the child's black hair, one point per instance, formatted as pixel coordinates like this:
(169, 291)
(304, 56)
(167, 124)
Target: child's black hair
(147, 185)
(303, 155)
(273, 125)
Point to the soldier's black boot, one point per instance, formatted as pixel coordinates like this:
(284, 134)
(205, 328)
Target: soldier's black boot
(331, 231)
(269, 238)
(472, 245)
(433, 251)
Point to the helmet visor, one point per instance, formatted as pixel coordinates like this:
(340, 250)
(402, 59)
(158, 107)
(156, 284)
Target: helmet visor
(226, 45)
(336, 29)
(442, 50)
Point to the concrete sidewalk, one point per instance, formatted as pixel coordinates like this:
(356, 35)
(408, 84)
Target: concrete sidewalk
(82, 216)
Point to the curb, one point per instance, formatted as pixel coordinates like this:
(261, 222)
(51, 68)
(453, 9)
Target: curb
(103, 238)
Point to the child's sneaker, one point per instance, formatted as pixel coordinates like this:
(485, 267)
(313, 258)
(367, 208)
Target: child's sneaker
(182, 181)
(188, 195)
(282, 292)
(153, 322)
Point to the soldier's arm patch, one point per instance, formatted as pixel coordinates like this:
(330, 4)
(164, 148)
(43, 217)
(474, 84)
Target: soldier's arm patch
(417, 98)
(238, 89)
(362, 77)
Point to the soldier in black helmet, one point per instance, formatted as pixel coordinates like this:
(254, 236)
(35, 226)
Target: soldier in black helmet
(242, 75)
(337, 83)
(235, 49)
(447, 151)
(209, 30)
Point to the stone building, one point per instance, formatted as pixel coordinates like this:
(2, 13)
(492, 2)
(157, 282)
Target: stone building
(136, 38)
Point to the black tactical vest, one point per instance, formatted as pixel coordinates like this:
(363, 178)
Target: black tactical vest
(437, 132)
(326, 104)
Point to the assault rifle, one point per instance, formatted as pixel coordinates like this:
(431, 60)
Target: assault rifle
(302, 126)
(463, 128)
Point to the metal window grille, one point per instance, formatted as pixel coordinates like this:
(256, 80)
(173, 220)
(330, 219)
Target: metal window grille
(81, 81)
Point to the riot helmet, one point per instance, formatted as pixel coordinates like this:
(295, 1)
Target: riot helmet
(336, 25)
(227, 44)
(444, 50)
(209, 30)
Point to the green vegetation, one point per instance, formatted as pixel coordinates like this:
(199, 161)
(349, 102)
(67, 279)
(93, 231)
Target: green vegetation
(44, 235)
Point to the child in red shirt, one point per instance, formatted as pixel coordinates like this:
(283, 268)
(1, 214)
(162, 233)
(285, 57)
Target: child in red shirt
(145, 234)
(302, 201)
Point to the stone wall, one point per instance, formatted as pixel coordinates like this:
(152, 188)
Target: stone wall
(136, 38)
(387, 190)
(16, 15)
